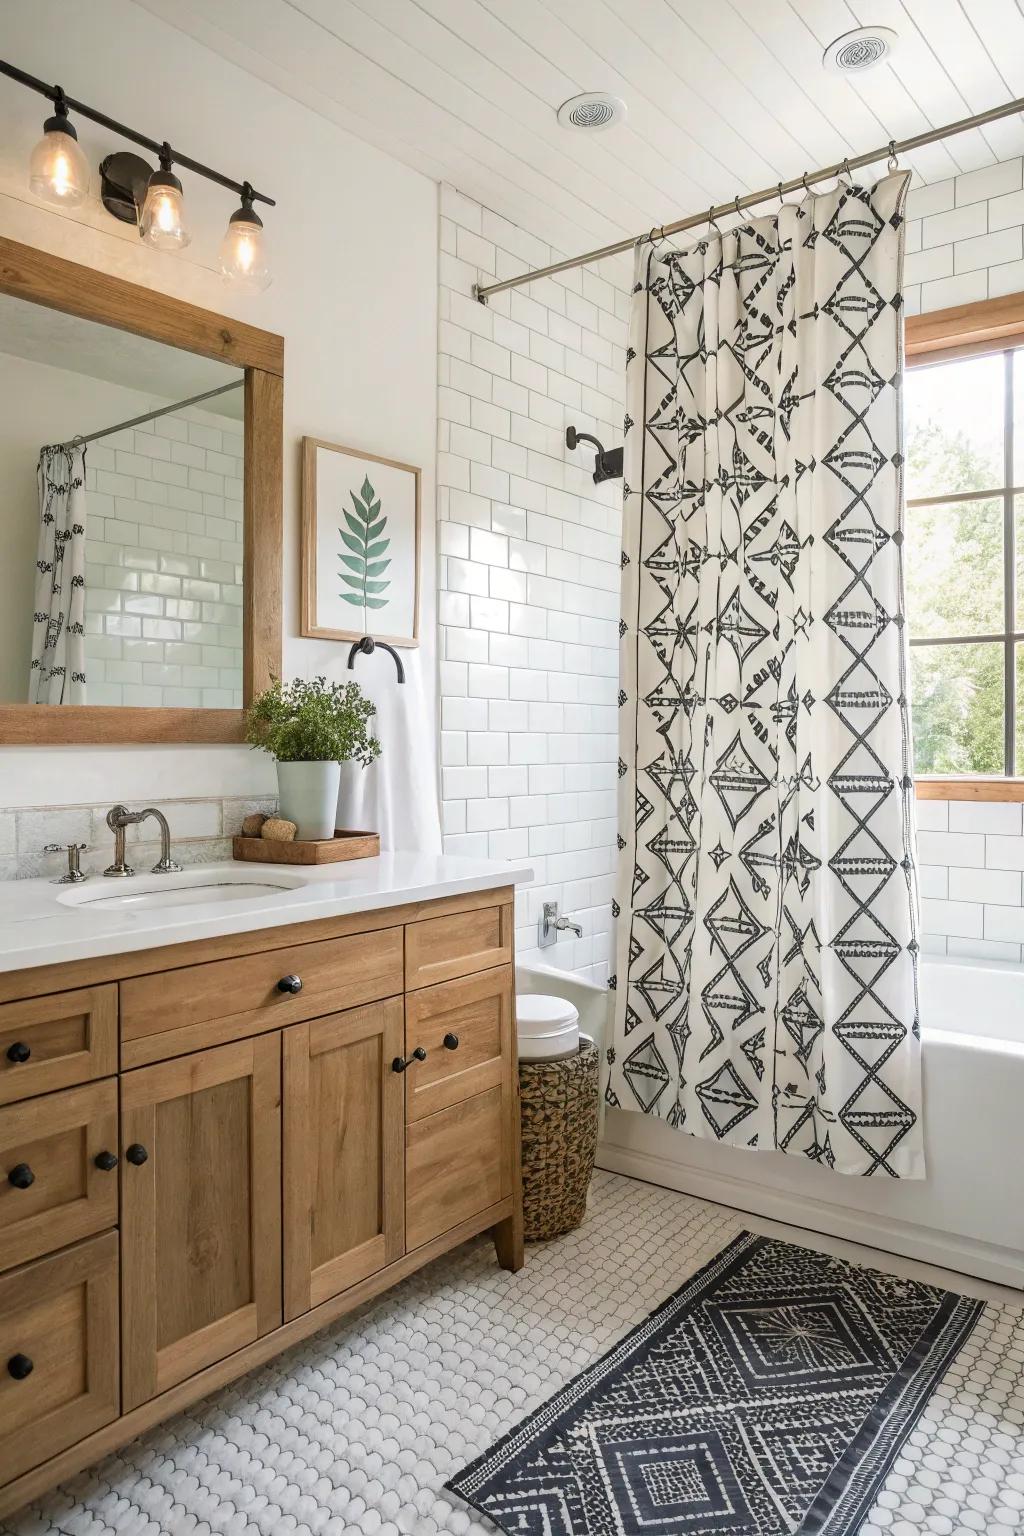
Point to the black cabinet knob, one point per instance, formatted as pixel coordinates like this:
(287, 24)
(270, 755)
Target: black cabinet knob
(18, 1052)
(21, 1176)
(290, 984)
(136, 1154)
(398, 1065)
(450, 1042)
(106, 1162)
(19, 1366)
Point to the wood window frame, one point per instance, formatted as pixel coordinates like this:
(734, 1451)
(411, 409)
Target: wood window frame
(966, 330)
(35, 275)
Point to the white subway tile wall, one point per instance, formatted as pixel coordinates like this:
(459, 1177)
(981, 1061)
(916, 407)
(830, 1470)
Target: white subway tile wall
(201, 832)
(529, 572)
(965, 239)
(164, 564)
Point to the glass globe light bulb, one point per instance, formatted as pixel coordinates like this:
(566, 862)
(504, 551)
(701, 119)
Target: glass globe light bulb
(243, 251)
(162, 221)
(58, 171)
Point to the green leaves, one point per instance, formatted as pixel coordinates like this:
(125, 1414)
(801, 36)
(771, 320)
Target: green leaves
(365, 564)
(311, 720)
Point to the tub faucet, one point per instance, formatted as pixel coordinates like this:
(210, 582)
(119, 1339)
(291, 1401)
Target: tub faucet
(119, 817)
(551, 925)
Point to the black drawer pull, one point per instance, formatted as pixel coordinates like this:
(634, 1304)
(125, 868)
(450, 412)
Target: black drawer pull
(21, 1176)
(398, 1065)
(18, 1052)
(136, 1154)
(106, 1162)
(290, 984)
(19, 1366)
(450, 1042)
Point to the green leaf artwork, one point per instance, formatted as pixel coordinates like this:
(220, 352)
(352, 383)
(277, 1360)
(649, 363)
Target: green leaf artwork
(366, 560)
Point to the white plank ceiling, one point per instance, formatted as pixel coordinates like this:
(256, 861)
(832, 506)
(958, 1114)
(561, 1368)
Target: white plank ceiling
(723, 95)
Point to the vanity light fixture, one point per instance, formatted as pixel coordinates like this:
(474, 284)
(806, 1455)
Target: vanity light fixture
(135, 193)
(58, 171)
(243, 251)
(162, 220)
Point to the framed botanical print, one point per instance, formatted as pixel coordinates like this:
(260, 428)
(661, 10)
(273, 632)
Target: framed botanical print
(360, 545)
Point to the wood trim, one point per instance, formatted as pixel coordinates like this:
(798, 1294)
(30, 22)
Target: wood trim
(31, 274)
(987, 326)
(35, 275)
(1010, 791)
(39, 979)
(97, 1445)
(308, 624)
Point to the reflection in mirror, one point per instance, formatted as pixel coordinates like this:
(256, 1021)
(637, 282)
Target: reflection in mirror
(121, 582)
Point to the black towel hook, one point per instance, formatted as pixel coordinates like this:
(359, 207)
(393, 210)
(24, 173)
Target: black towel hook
(367, 645)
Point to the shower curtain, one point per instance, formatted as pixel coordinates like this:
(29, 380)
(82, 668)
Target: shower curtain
(57, 674)
(767, 947)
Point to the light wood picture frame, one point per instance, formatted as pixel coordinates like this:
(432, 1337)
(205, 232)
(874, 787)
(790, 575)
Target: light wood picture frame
(362, 535)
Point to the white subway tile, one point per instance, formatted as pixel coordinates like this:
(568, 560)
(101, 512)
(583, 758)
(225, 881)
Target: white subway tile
(959, 848)
(982, 949)
(1004, 245)
(924, 266)
(1001, 887)
(964, 919)
(932, 815)
(936, 197)
(990, 181)
(1005, 924)
(1004, 852)
(967, 288)
(985, 816)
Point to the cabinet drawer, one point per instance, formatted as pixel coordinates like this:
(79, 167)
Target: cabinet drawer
(458, 1162)
(440, 948)
(58, 1321)
(52, 1192)
(465, 1027)
(52, 1042)
(196, 1006)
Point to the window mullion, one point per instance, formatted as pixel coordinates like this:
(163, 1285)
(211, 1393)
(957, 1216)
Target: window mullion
(1009, 572)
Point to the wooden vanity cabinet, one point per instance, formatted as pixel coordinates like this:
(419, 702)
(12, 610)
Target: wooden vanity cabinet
(231, 1143)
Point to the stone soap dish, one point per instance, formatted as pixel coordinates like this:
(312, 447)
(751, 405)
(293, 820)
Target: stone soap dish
(327, 850)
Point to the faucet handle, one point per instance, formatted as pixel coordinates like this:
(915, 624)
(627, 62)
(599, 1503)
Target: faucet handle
(74, 873)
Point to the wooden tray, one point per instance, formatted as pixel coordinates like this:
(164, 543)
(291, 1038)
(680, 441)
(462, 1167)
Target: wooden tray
(328, 850)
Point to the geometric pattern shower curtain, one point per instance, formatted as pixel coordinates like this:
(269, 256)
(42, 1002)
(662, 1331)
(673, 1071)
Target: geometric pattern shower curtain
(57, 674)
(766, 971)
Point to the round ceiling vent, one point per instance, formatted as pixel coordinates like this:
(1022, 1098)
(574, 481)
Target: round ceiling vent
(594, 109)
(861, 49)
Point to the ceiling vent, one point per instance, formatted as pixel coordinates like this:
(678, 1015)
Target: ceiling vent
(594, 109)
(861, 49)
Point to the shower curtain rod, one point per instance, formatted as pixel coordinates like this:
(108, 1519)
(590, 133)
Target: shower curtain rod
(483, 291)
(165, 410)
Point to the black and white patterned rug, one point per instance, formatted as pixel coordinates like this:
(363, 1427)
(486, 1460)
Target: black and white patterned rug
(770, 1394)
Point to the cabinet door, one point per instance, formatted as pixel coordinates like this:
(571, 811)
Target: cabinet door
(459, 1163)
(343, 1152)
(200, 1211)
(58, 1339)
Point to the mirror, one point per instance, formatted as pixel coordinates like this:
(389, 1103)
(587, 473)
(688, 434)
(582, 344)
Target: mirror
(122, 578)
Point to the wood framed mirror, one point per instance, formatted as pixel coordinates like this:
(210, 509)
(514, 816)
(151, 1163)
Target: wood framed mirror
(189, 577)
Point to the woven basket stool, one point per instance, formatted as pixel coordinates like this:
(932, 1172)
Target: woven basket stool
(559, 1112)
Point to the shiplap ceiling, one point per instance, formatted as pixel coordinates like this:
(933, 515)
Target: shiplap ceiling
(724, 95)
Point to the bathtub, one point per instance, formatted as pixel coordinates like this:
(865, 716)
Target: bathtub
(967, 1215)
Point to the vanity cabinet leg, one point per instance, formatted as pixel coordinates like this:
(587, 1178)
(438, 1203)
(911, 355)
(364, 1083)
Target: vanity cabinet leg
(508, 1240)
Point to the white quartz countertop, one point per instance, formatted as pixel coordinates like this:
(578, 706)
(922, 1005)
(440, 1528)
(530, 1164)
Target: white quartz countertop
(46, 924)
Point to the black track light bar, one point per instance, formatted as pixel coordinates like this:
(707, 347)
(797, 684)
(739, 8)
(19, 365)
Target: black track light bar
(56, 94)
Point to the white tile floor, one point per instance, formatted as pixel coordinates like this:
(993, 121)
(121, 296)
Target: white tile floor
(357, 1430)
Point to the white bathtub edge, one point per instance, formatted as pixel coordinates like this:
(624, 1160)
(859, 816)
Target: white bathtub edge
(944, 1249)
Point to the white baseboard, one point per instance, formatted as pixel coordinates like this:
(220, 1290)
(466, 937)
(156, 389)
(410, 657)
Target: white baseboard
(947, 1250)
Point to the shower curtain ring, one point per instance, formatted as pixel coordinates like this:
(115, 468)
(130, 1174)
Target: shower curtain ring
(736, 205)
(893, 163)
(803, 178)
(846, 169)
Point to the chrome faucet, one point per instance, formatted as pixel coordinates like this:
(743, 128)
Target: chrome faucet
(118, 818)
(551, 925)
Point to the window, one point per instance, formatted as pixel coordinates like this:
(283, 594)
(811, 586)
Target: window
(964, 480)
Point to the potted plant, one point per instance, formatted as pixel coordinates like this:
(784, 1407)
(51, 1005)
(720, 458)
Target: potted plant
(311, 727)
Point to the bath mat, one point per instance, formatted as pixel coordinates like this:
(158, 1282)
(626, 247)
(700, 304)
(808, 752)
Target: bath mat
(770, 1393)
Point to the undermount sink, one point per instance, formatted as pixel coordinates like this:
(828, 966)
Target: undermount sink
(187, 888)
